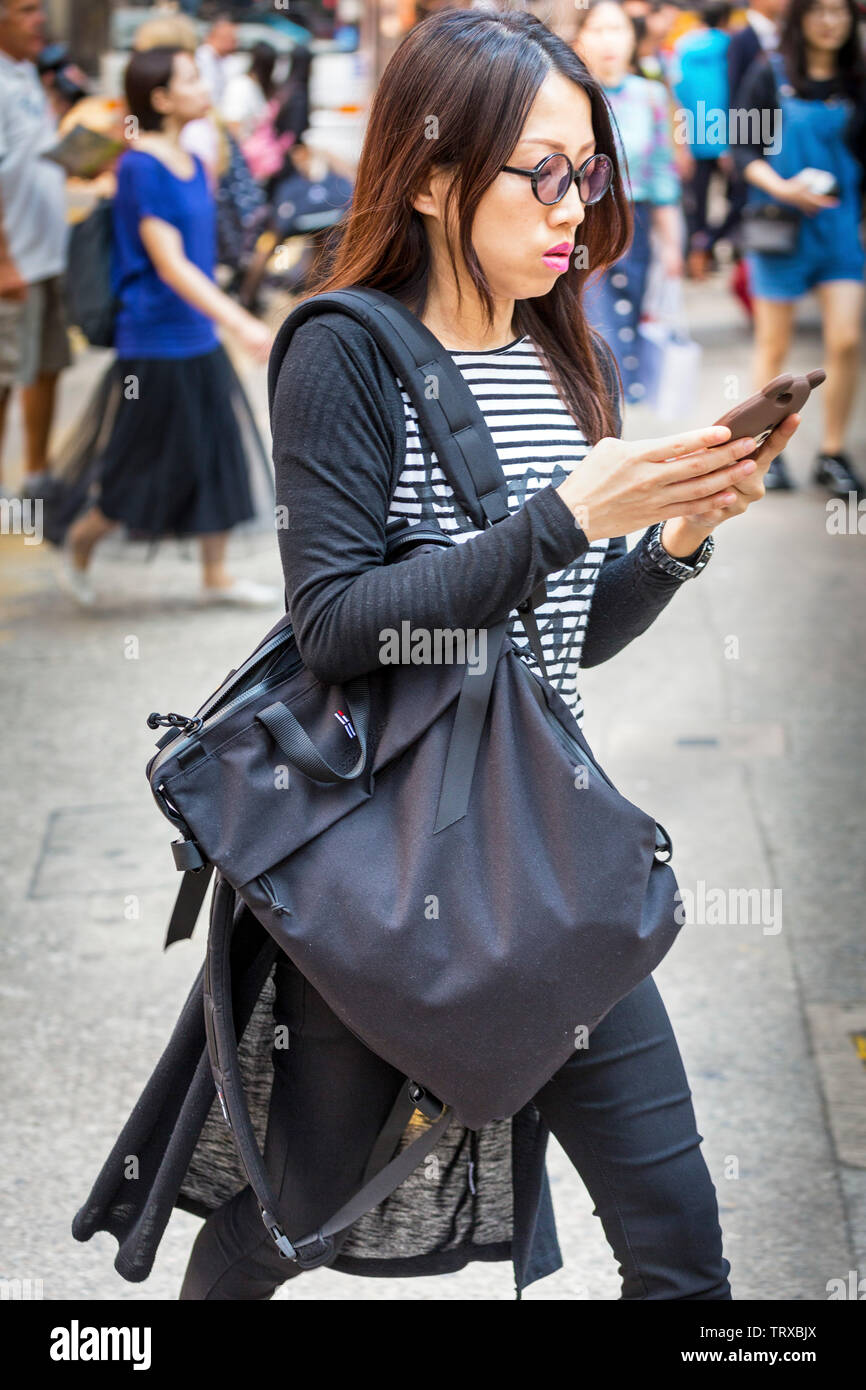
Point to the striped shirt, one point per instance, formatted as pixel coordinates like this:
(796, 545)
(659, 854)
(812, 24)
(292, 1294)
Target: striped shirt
(538, 444)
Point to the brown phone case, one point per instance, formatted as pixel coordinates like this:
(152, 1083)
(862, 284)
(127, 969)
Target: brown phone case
(760, 414)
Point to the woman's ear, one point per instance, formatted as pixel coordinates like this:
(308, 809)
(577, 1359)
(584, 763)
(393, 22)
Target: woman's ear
(424, 200)
(160, 101)
(429, 195)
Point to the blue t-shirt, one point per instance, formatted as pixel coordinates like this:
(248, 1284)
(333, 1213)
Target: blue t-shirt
(153, 321)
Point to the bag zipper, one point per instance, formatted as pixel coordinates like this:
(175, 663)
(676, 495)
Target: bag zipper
(204, 720)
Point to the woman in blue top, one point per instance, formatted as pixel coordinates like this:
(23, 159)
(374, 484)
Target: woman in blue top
(811, 98)
(177, 420)
(606, 41)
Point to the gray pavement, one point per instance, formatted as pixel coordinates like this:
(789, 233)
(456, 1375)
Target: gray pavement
(737, 720)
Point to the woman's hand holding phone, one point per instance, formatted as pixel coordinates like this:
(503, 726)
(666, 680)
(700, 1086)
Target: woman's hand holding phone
(748, 489)
(622, 486)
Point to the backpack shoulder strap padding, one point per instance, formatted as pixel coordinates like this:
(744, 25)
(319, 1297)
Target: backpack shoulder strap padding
(445, 404)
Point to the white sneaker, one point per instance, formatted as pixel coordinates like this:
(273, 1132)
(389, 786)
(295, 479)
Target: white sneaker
(76, 582)
(245, 592)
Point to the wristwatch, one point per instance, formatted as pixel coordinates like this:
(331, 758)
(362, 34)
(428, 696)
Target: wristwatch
(680, 569)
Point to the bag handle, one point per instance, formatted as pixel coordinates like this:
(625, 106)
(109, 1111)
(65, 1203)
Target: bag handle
(299, 748)
(318, 1247)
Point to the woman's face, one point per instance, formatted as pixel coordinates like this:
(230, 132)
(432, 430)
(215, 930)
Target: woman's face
(606, 41)
(827, 25)
(186, 98)
(512, 230)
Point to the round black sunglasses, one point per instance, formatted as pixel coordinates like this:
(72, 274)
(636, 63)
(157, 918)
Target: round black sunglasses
(552, 177)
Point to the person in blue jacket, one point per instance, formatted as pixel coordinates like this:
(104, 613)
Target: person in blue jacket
(700, 84)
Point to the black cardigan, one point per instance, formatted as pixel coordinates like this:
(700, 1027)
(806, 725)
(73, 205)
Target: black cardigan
(339, 445)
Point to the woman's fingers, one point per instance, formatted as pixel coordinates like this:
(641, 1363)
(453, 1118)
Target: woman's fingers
(676, 445)
(711, 484)
(775, 443)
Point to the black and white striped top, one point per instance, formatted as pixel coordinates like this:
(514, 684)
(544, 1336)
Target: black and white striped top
(538, 444)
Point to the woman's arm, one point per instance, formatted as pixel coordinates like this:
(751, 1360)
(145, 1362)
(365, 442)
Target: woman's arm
(630, 593)
(339, 443)
(164, 245)
(758, 114)
(665, 188)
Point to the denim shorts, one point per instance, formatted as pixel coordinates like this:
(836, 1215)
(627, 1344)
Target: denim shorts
(790, 277)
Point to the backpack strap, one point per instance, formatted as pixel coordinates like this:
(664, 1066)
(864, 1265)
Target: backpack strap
(383, 1173)
(453, 421)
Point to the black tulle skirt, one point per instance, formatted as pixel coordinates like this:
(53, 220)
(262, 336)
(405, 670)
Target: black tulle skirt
(168, 447)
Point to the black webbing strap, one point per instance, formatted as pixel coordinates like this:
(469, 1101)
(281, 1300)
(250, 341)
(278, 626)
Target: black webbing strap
(292, 740)
(187, 905)
(317, 1247)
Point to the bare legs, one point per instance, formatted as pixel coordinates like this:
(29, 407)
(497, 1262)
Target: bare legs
(85, 533)
(774, 321)
(37, 404)
(841, 304)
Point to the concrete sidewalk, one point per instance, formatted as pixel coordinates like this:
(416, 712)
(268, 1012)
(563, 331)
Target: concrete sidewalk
(737, 720)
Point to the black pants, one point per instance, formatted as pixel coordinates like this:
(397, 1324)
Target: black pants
(621, 1109)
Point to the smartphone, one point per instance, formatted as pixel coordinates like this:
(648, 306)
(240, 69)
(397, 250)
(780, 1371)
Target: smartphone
(758, 416)
(820, 181)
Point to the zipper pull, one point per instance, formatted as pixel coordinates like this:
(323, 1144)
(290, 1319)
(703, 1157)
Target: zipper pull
(189, 724)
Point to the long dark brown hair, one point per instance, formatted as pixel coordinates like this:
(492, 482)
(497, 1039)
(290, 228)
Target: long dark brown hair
(479, 72)
(850, 69)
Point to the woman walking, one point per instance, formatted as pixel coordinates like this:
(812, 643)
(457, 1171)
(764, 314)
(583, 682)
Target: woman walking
(812, 93)
(171, 450)
(524, 141)
(605, 40)
(247, 93)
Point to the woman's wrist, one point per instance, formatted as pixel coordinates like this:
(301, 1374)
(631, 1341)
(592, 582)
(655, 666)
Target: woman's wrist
(682, 538)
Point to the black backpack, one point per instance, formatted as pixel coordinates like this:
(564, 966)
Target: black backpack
(212, 777)
(90, 301)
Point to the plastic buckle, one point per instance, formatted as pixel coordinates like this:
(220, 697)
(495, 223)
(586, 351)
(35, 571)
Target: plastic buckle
(187, 856)
(279, 1237)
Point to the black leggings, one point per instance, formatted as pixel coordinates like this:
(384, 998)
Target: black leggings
(621, 1109)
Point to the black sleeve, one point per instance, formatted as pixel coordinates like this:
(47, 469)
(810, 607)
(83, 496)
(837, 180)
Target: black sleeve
(339, 443)
(756, 94)
(743, 47)
(630, 593)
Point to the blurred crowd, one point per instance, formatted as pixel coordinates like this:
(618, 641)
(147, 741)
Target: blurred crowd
(742, 133)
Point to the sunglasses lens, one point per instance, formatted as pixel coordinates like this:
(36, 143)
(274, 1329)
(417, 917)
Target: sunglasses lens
(595, 179)
(554, 179)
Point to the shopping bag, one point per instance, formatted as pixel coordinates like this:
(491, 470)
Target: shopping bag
(670, 359)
